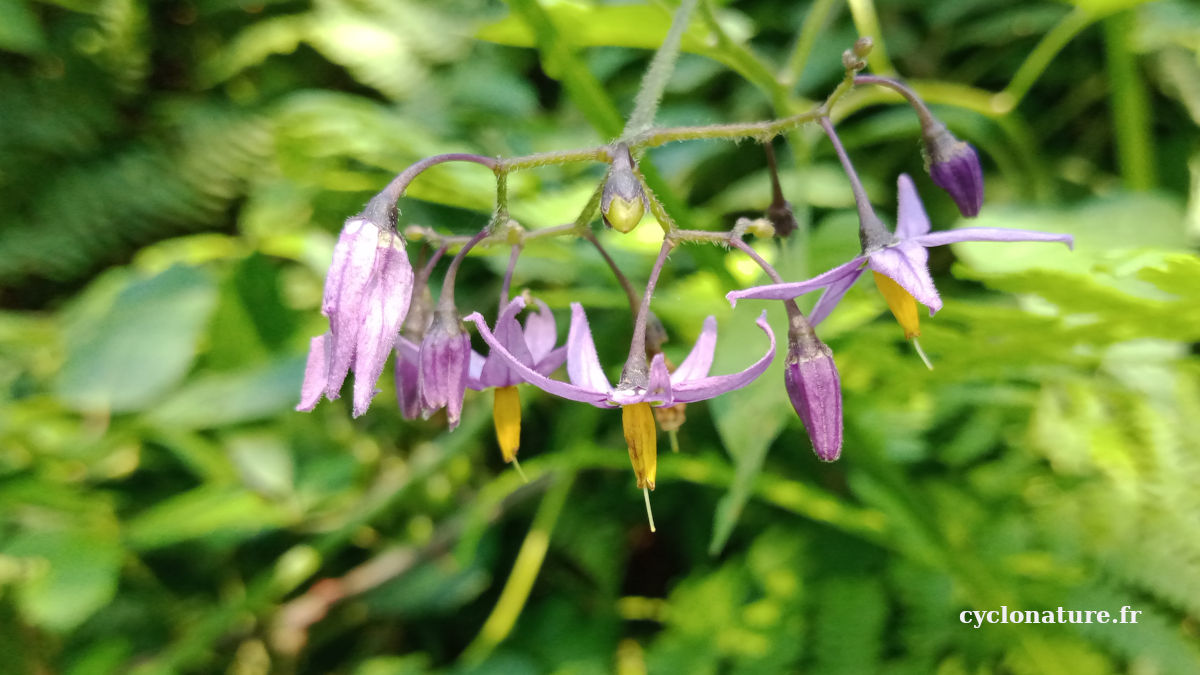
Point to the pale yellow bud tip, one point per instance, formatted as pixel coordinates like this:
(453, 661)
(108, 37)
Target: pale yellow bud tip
(624, 215)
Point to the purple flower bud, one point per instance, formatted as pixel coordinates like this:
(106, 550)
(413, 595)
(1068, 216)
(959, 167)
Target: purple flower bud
(954, 166)
(420, 313)
(367, 292)
(811, 378)
(442, 362)
(623, 202)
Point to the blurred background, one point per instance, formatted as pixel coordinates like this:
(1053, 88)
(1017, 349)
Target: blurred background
(173, 175)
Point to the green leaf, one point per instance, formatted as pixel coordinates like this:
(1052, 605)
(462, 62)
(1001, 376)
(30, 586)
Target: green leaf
(229, 398)
(750, 419)
(73, 574)
(141, 346)
(1101, 227)
(204, 512)
(19, 29)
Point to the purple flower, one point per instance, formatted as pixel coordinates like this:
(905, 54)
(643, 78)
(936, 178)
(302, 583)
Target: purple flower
(954, 166)
(408, 349)
(588, 384)
(903, 259)
(533, 346)
(442, 365)
(408, 377)
(811, 378)
(366, 298)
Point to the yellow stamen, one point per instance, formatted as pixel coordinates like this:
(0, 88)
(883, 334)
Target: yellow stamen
(506, 415)
(520, 472)
(649, 513)
(642, 439)
(902, 304)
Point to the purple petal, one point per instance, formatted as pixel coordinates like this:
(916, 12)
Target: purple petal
(699, 360)
(583, 365)
(911, 219)
(315, 370)
(956, 169)
(384, 307)
(561, 389)
(407, 380)
(658, 387)
(990, 234)
(812, 384)
(353, 271)
(831, 297)
(540, 332)
(552, 361)
(356, 233)
(496, 372)
(791, 290)
(905, 263)
(442, 365)
(708, 387)
(474, 370)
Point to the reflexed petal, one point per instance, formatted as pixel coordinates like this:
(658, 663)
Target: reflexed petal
(990, 234)
(583, 365)
(561, 389)
(474, 369)
(911, 219)
(384, 307)
(708, 387)
(791, 290)
(699, 360)
(905, 263)
(541, 332)
(831, 297)
(496, 372)
(552, 361)
(314, 374)
(658, 387)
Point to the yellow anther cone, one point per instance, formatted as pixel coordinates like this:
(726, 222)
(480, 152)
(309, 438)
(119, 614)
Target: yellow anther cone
(902, 304)
(506, 415)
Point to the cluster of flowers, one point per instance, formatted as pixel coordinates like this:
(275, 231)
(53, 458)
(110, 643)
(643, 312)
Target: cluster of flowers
(376, 304)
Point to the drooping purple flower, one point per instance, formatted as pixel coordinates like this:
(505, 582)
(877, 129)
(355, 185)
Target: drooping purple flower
(812, 383)
(442, 365)
(408, 378)
(903, 258)
(953, 165)
(366, 298)
(408, 349)
(588, 384)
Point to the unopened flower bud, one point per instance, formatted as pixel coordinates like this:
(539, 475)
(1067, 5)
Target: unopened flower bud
(623, 202)
(953, 165)
(445, 353)
(781, 218)
(852, 62)
(811, 378)
(862, 46)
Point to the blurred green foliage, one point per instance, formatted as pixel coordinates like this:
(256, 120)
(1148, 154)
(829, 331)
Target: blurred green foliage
(173, 175)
